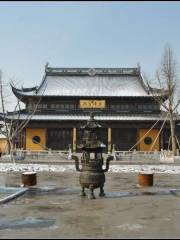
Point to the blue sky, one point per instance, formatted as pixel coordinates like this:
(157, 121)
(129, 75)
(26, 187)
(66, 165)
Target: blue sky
(84, 34)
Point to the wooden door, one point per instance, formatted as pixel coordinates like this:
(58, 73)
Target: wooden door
(59, 139)
(124, 138)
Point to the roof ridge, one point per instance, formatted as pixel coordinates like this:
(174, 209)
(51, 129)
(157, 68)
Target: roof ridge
(92, 71)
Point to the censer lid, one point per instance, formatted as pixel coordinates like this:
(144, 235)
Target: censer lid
(90, 140)
(91, 123)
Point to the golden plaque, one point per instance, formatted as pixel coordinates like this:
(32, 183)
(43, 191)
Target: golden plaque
(92, 104)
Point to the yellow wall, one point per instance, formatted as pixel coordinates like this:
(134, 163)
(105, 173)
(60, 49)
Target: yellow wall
(153, 134)
(3, 145)
(30, 133)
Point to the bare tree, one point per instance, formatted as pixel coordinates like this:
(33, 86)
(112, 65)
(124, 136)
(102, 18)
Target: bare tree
(167, 81)
(6, 133)
(15, 124)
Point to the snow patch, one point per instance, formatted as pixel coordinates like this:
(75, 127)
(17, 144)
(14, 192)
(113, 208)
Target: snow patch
(18, 167)
(130, 227)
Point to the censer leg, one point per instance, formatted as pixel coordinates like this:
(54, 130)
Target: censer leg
(82, 193)
(102, 194)
(91, 196)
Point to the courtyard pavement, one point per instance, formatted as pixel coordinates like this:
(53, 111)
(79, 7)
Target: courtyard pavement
(54, 209)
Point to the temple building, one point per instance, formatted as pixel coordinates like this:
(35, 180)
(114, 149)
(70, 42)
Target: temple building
(62, 103)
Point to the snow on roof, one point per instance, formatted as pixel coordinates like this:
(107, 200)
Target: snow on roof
(96, 82)
(92, 86)
(124, 117)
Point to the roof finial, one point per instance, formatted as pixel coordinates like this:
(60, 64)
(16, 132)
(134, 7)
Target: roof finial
(46, 65)
(91, 115)
(138, 66)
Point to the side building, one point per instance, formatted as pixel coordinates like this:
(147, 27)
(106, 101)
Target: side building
(61, 104)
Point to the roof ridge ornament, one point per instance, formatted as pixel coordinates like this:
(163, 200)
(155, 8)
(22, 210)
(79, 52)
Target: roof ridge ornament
(46, 65)
(92, 71)
(138, 66)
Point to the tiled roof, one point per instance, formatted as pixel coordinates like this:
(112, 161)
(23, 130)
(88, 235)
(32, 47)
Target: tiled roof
(84, 82)
(92, 86)
(124, 117)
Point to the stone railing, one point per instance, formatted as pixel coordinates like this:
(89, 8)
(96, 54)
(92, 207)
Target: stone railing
(122, 155)
(40, 155)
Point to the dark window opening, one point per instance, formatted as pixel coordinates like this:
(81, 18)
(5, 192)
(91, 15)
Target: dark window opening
(36, 139)
(148, 140)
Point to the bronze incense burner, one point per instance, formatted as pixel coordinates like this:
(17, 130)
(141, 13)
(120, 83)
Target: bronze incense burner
(92, 173)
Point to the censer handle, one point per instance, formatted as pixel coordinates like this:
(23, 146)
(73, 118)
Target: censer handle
(76, 163)
(110, 158)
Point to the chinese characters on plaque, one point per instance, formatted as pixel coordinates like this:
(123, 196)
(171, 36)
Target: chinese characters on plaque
(92, 103)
